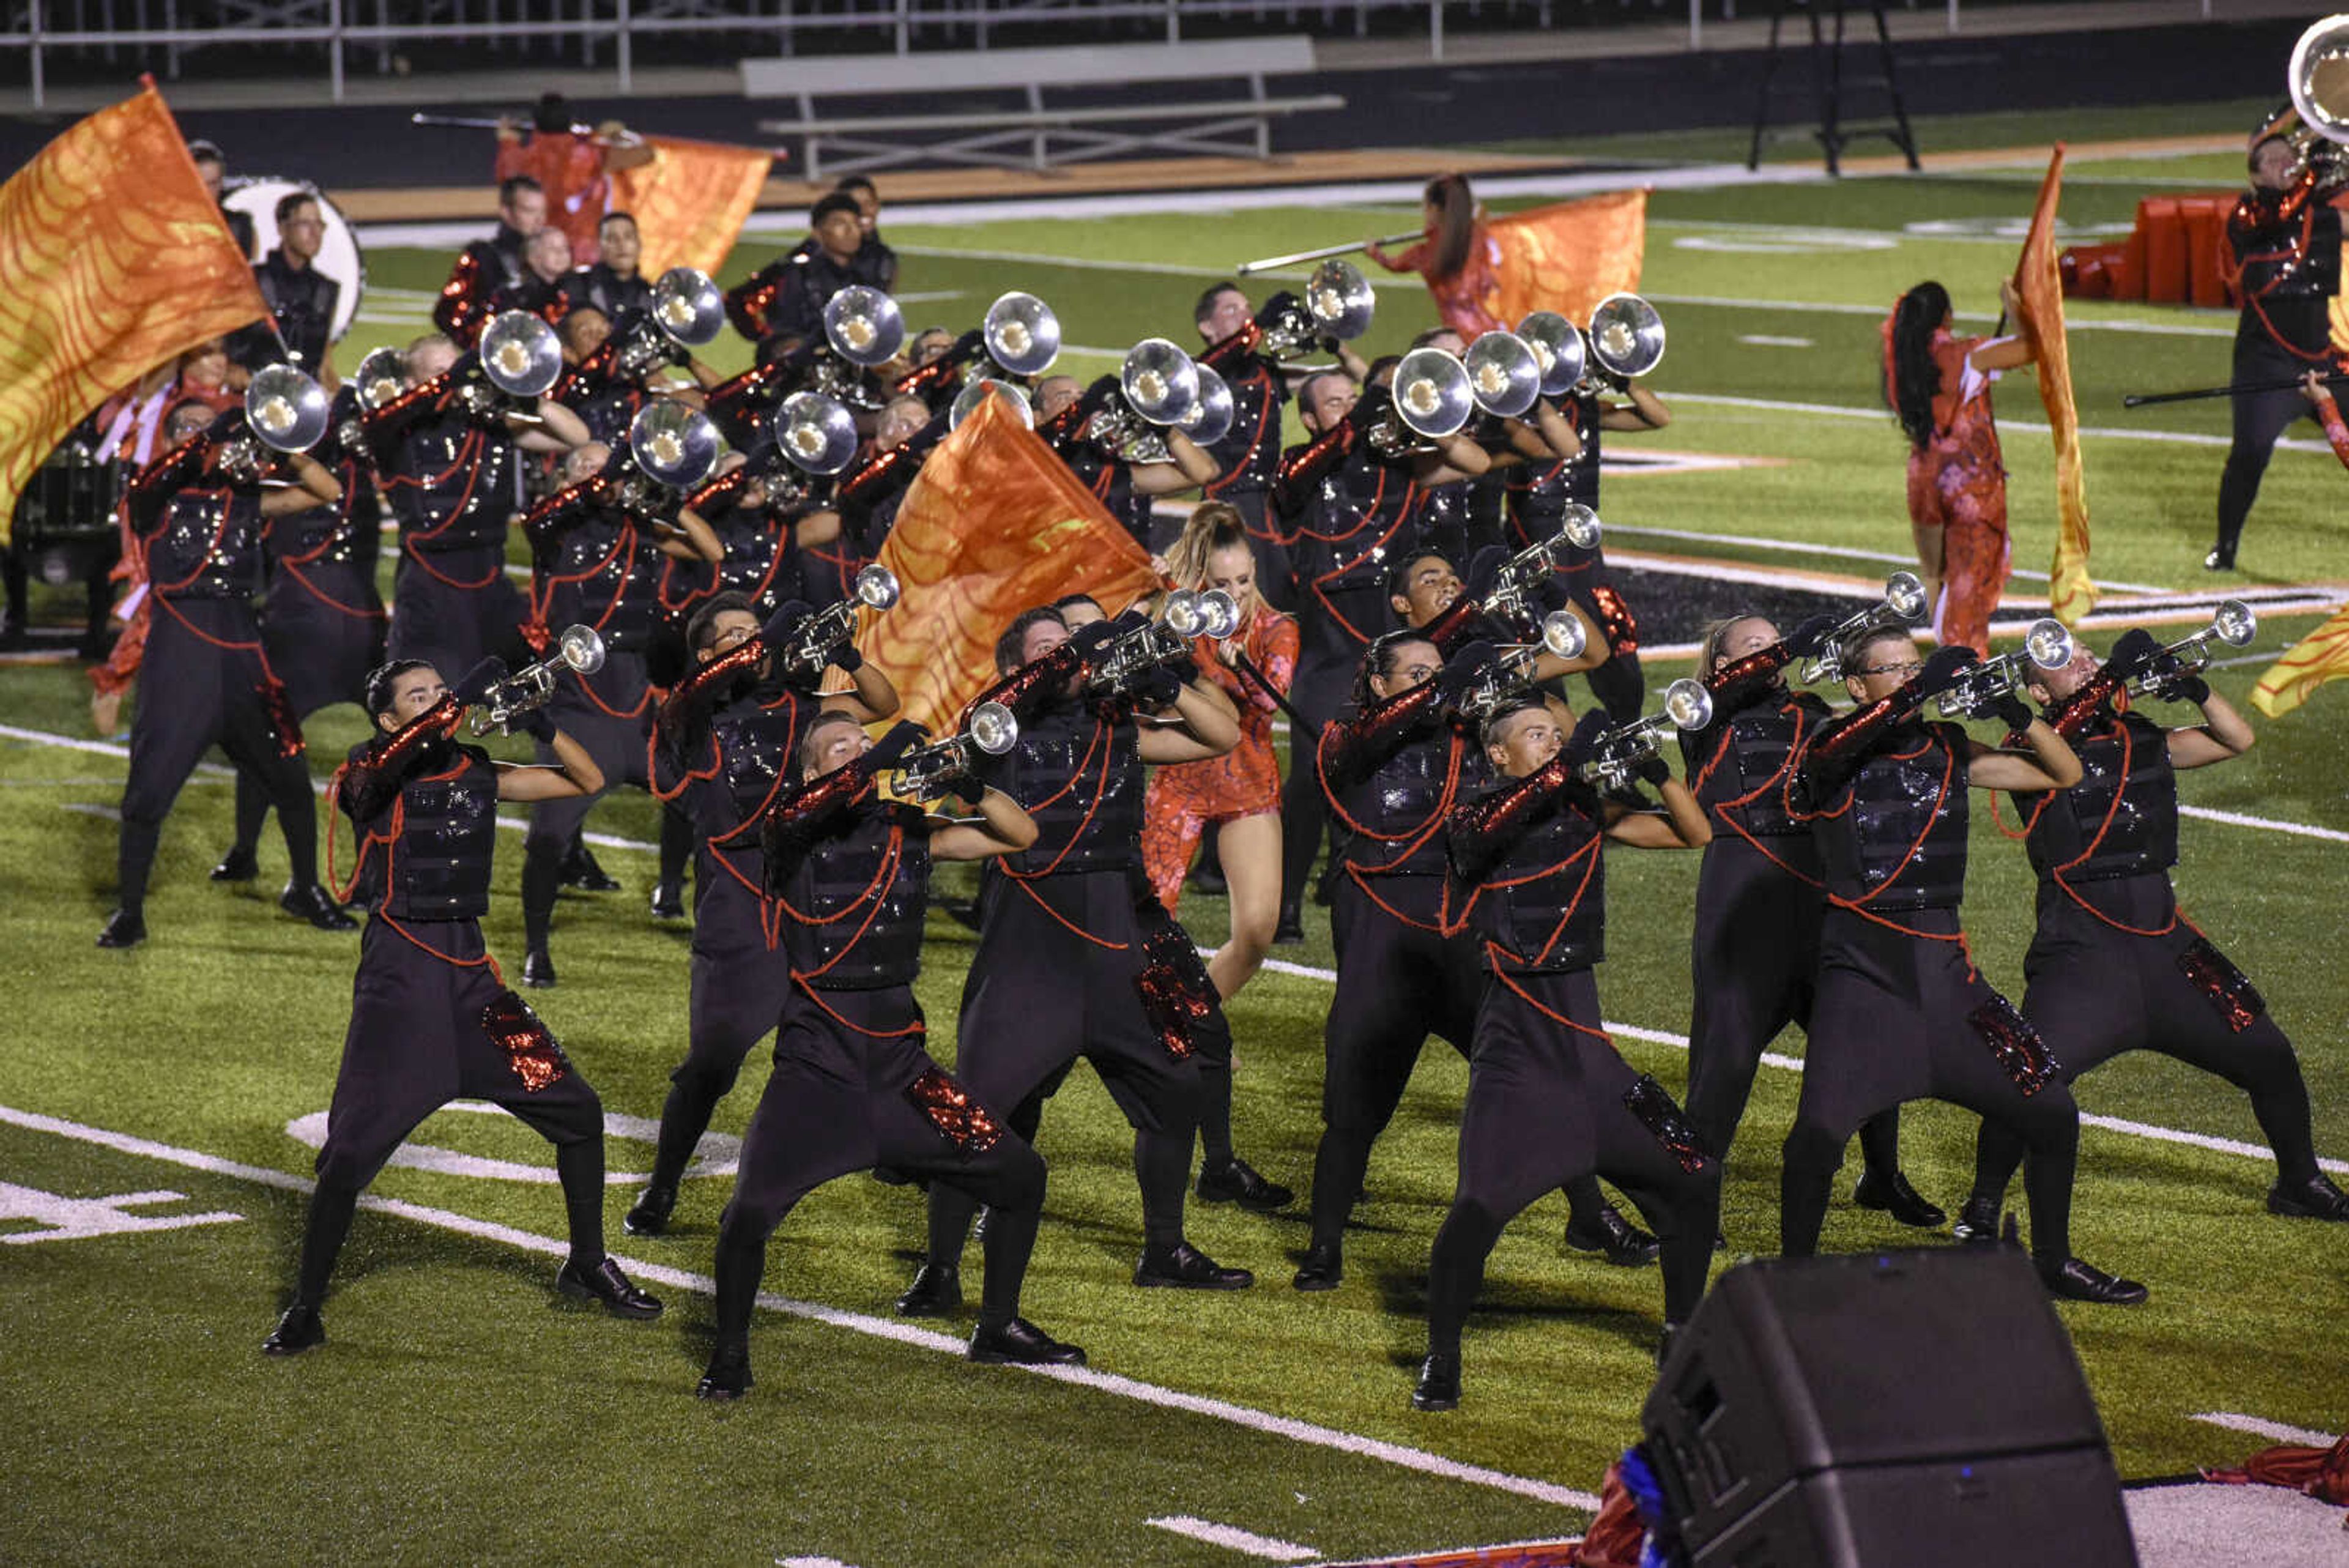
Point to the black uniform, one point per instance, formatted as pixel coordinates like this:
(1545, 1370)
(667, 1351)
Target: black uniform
(876, 263)
(2114, 966)
(1550, 1100)
(1247, 462)
(600, 288)
(1538, 494)
(302, 302)
(2287, 245)
(482, 269)
(449, 479)
(785, 298)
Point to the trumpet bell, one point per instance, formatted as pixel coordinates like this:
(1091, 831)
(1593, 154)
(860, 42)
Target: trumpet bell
(285, 409)
(2318, 77)
(1209, 417)
(580, 649)
(1904, 595)
(1182, 614)
(2235, 623)
(688, 307)
(1627, 335)
(875, 588)
(673, 444)
(994, 728)
(1688, 704)
(1504, 374)
(1159, 380)
(1579, 526)
(381, 377)
(1341, 299)
(1431, 393)
(2048, 644)
(967, 402)
(864, 326)
(1021, 333)
(816, 433)
(520, 355)
(1558, 344)
(1219, 615)
(1562, 634)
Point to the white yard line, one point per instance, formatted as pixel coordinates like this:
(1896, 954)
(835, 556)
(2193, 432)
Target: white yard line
(893, 1329)
(1232, 1538)
(2107, 433)
(2270, 824)
(2274, 1431)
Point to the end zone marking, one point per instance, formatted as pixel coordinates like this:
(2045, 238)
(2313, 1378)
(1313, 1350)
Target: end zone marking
(2274, 1431)
(1235, 1538)
(1306, 1432)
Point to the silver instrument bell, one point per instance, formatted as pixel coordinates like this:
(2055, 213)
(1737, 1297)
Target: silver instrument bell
(864, 326)
(1022, 334)
(816, 433)
(520, 354)
(674, 445)
(1505, 374)
(285, 409)
(687, 307)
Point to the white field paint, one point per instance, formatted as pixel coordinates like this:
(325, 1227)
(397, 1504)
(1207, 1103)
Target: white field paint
(716, 1155)
(2273, 1431)
(61, 1219)
(1234, 1538)
(1764, 340)
(893, 1329)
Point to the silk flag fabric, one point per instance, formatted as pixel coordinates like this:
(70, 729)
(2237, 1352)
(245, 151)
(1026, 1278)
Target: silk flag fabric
(113, 260)
(994, 523)
(1570, 256)
(2038, 280)
(2321, 656)
(690, 201)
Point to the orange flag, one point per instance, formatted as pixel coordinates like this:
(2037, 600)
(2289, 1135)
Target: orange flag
(690, 201)
(2321, 656)
(994, 523)
(2070, 594)
(113, 259)
(1567, 257)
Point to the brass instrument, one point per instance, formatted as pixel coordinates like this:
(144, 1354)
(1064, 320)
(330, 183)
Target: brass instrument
(1505, 374)
(1558, 344)
(1511, 675)
(382, 376)
(1626, 335)
(2318, 80)
(673, 445)
(1578, 529)
(285, 412)
(1185, 615)
(578, 648)
(864, 326)
(1338, 302)
(818, 637)
(991, 729)
(2234, 623)
(1209, 419)
(816, 433)
(1021, 334)
(1616, 760)
(520, 354)
(686, 312)
(1158, 384)
(1431, 400)
(967, 402)
(1903, 605)
(2046, 646)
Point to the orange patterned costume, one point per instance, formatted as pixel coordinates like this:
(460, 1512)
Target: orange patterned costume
(1959, 482)
(1462, 299)
(1183, 797)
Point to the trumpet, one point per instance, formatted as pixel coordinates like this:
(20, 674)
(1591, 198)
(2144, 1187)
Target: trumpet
(924, 774)
(382, 376)
(1616, 760)
(2234, 623)
(820, 636)
(1021, 334)
(1431, 400)
(285, 412)
(578, 648)
(1903, 605)
(1578, 529)
(2046, 646)
(1512, 674)
(520, 354)
(1185, 615)
(864, 326)
(2318, 81)
(1158, 385)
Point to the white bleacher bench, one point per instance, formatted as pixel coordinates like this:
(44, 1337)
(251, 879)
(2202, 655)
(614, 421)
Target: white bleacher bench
(1037, 137)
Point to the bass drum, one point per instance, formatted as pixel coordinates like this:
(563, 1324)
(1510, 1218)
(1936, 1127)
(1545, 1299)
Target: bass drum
(339, 256)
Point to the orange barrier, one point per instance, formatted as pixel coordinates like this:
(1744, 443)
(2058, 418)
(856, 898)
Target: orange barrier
(2176, 254)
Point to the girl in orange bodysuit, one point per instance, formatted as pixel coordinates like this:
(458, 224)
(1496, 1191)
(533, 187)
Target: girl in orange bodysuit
(1939, 383)
(1457, 258)
(1240, 790)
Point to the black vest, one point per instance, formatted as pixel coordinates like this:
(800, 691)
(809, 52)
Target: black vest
(1078, 772)
(451, 485)
(859, 895)
(605, 572)
(1356, 525)
(1747, 759)
(207, 545)
(304, 303)
(1403, 800)
(346, 533)
(1545, 905)
(1248, 457)
(2113, 823)
(1894, 839)
(439, 866)
(600, 288)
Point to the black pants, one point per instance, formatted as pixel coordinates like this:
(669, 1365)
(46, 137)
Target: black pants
(1754, 971)
(738, 989)
(843, 1099)
(1052, 981)
(417, 1042)
(2096, 991)
(2260, 419)
(1544, 1107)
(1901, 1017)
(323, 629)
(618, 746)
(456, 609)
(194, 694)
(1324, 685)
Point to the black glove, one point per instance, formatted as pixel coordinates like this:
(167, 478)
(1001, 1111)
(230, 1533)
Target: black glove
(845, 657)
(1091, 638)
(1485, 570)
(903, 736)
(1157, 687)
(1580, 745)
(1281, 304)
(1184, 670)
(479, 679)
(1460, 672)
(2014, 711)
(1810, 639)
(1944, 668)
(1655, 770)
(539, 725)
(781, 625)
(2134, 652)
(1374, 401)
(1098, 395)
(2186, 688)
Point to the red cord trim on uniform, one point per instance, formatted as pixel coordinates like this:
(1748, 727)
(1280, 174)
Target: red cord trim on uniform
(1020, 883)
(1495, 953)
(1721, 809)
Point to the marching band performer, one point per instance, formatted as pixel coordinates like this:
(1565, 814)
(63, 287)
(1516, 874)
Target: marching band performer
(431, 1019)
(300, 297)
(1064, 418)
(611, 282)
(487, 266)
(876, 264)
(2114, 966)
(1456, 257)
(785, 299)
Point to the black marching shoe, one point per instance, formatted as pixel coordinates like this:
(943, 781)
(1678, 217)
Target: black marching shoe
(669, 902)
(1977, 1223)
(239, 865)
(2217, 560)
(936, 1292)
(1291, 930)
(606, 1283)
(537, 968)
(649, 1217)
(2079, 1281)
(1236, 1181)
(1323, 1268)
(124, 928)
(299, 1330)
(1439, 1382)
(1183, 1267)
(1021, 1344)
(727, 1375)
(1624, 1244)
(308, 901)
(580, 871)
(1893, 1195)
(2315, 1199)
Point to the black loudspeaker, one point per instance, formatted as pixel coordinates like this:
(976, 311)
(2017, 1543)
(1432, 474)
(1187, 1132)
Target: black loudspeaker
(1904, 1410)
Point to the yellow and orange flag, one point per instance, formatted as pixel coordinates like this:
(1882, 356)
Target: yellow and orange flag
(2070, 594)
(113, 259)
(1568, 257)
(993, 525)
(2321, 656)
(690, 201)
